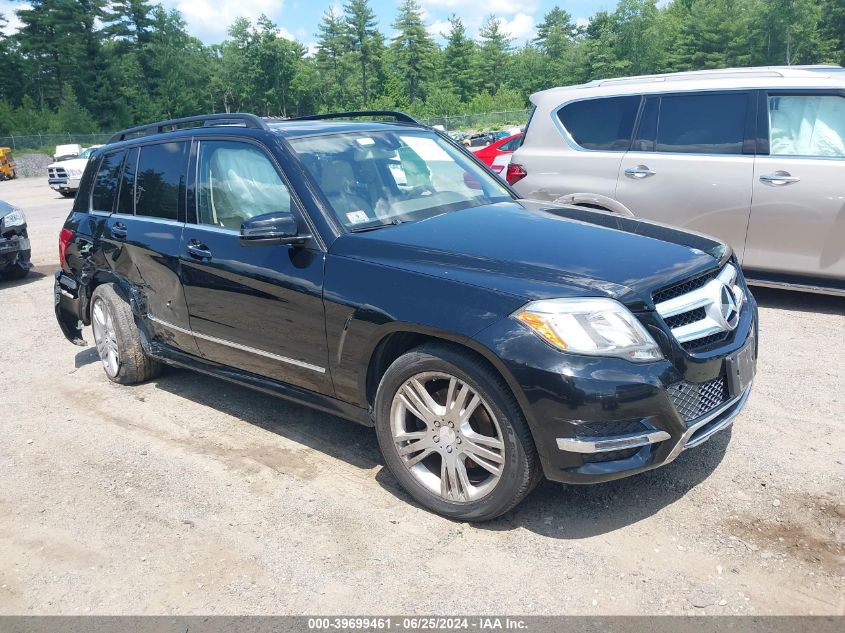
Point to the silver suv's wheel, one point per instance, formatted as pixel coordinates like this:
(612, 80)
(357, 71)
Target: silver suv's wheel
(453, 435)
(118, 339)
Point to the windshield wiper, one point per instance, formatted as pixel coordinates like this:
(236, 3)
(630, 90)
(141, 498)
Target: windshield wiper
(375, 227)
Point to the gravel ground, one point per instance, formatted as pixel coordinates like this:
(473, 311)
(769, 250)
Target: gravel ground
(187, 495)
(32, 165)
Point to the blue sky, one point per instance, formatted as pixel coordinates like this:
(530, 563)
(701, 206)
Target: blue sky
(209, 19)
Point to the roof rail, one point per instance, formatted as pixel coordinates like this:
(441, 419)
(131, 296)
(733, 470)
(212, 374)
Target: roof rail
(395, 114)
(207, 120)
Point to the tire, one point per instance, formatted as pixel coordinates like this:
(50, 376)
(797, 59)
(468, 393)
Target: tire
(68, 194)
(19, 269)
(495, 433)
(118, 340)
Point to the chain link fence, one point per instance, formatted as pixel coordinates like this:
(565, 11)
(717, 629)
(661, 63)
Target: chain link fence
(49, 141)
(485, 121)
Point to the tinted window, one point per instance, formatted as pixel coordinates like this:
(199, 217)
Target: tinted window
(237, 181)
(602, 124)
(106, 182)
(807, 125)
(512, 145)
(702, 123)
(160, 180)
(648, 126)
(125, 200)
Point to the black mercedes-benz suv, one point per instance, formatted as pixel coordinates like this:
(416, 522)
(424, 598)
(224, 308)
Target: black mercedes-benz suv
(375, 270)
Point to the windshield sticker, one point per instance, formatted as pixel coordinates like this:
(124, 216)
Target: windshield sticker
(365, 140)
(357, 217)
(426, 148)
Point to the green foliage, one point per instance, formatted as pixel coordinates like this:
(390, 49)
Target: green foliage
(85, 65)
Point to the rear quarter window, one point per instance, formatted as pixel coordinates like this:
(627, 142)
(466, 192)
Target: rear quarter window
(601, 124)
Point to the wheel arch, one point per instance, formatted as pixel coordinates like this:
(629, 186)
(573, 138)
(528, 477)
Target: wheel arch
(404, 337)
(595, 201)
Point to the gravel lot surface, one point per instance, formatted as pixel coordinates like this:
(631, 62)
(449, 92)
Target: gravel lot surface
(188, 495)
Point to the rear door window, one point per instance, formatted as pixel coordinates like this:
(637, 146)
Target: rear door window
(702, 123)
(160, 181)
(807, 125)
(601, 124)
(106, 182)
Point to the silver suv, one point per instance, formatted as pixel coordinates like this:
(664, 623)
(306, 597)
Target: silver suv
(754, 156)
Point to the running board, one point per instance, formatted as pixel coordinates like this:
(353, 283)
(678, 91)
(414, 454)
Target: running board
(793, 285)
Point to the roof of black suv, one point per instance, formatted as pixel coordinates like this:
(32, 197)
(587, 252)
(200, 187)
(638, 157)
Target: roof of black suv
(299, 126)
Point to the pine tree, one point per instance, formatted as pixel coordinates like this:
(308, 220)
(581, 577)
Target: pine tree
(365, 41)
(412, 49)
(459, 59)
(556, 33)
(493, 55)
(332, 46)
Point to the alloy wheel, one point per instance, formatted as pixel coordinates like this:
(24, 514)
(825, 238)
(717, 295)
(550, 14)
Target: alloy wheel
(447, 436)
(105, 336)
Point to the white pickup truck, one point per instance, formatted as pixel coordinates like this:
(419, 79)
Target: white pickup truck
(64, 174)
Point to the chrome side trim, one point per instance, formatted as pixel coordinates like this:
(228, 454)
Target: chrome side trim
(785, 285)
(601, 445)
(243, 348)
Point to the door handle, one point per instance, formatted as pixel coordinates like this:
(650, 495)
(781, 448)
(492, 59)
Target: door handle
(779, 178)
(119, 231)
(198, 250)
(640, 171)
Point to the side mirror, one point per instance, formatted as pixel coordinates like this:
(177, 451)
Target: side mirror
(271, 228)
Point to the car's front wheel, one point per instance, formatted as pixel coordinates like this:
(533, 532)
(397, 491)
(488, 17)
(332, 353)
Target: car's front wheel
(118, 340)
(453, 435)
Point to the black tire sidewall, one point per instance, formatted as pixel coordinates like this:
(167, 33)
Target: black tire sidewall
(446, 360)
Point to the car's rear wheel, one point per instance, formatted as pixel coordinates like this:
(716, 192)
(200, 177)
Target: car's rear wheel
(453, 435)
(68, 194)
(118, 340)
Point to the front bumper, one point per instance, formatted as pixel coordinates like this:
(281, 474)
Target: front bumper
(64, 184)
(15, 250)
(598, 419)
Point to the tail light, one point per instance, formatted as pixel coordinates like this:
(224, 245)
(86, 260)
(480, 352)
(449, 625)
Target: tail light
(64, 239)
(515, 173)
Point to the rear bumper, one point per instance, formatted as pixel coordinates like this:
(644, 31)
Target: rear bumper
(68, 308)
(598, 419)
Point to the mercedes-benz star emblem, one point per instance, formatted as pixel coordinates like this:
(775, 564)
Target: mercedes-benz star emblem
(730, 311)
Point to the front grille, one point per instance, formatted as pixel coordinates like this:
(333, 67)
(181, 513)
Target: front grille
(704, 310)
(608, 429)
(685, 318)
(611, 456)
(692, 400)
(56, 172)
(701, 344)
(684, 287)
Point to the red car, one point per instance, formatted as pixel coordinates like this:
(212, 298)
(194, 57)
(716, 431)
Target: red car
(502, 147)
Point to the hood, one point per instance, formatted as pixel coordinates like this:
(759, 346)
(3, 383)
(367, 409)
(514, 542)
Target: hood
(70, 163)
(534, 251)
(5, 208)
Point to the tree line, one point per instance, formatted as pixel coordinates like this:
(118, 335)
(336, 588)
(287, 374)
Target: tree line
(91, 65)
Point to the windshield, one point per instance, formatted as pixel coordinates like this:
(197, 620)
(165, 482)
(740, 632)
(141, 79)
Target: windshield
(87, 153)
(379, 178)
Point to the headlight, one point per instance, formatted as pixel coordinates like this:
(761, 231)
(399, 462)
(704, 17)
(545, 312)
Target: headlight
(15, 218)
(599, 327)
(74, 173)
